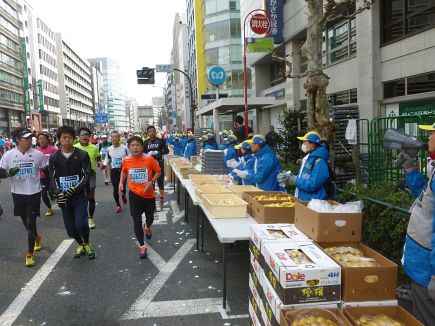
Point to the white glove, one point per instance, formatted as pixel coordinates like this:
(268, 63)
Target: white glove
(233, 163)
(285, 177)
(225, 151)
(241, 174)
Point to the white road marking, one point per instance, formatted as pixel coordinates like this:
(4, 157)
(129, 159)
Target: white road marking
(177, 214)
(182, 307)
(17, 306)
(155, 258)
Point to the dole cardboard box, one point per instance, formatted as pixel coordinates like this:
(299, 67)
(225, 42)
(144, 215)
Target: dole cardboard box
(264, 213)
(313, 316)
(250, 197)
(367, 283)
(254, 319)
(256, 273)
(255, 307)
(301, 273)
(264, 233)
(328, 227)
(396, 312)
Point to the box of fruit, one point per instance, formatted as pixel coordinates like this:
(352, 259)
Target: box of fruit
(380, 316)
(279, 211)
(311, 317)
(224, 205)
(271, 196)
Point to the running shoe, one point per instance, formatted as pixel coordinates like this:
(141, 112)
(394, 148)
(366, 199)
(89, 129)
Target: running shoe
(118, 209)
(91, 223)
(148, 233)
(161, 202)
(124, 199)
(158, 207)
(80, 251)
(143, 252)
(30, 260)
(89, 251)
(106, 182)
(38, 243)
(49, 212)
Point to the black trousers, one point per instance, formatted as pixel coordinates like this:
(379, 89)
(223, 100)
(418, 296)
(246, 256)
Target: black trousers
(138, 206)
(115, 176)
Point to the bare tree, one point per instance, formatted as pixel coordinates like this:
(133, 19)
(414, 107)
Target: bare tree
(320, 12)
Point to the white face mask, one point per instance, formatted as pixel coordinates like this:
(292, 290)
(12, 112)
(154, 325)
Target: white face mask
(304, 148)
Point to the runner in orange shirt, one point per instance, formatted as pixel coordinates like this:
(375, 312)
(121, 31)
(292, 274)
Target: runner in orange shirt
(141, 171)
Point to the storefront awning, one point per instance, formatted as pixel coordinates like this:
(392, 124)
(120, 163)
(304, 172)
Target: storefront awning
(235, 105)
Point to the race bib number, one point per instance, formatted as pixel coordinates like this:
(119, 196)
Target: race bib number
(116, 163)
(68, 182)
(27, 171)
(104, 150)
(139, 175)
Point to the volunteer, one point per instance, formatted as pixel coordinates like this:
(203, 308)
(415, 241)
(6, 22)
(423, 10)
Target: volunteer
(190, 147)
(266, 166)
(230, 151)
(177, 145)
(210, 142)
(46, 149)
(141, 171)
(183, 143)
(419, 252)
(94, 156)
(156, 147)
(314, 172)
(70, 169)
(223, 138)
(23, 164)
(115, 153)
(246, 163)
(102, 149)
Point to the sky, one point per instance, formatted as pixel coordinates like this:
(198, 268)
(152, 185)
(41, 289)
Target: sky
(138, 33)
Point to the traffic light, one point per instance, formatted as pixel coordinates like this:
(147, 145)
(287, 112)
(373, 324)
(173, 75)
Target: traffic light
(145, 75)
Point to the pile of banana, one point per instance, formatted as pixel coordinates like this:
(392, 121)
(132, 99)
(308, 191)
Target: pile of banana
(378, 320)
(350, 257)
(298, 256)
(224, 202)
(313, 319)
(284, 204)
(274, 197)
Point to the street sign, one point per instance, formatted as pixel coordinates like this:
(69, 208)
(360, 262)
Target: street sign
(262, 44)
(101, 118)
(165, 68)
(40, 96)
(259, 24)
(217, 76)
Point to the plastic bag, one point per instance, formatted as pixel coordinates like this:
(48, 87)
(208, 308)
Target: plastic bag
(311, 317)
(323, 206)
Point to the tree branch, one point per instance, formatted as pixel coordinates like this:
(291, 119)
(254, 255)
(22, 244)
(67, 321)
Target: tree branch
(288, 74)
(331, 7)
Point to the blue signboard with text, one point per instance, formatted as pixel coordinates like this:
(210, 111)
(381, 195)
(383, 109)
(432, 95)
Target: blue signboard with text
(274, 9)
(101, 118)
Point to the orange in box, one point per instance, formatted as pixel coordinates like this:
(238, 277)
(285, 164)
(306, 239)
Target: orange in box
(267, 215)
(249, 197)
(367, 283)
(395, 312)
(328, 227)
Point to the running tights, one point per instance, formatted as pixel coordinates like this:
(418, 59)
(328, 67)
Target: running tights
(30, 225)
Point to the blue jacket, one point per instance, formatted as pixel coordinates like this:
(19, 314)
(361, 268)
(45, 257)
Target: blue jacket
(223, 145)
(246, 164)
(231, 154)
(419, 261)
(313, 175)
(208, 145)
(190, 149)
(170, 140)
(177, 148)
(183, 144)
(265, 171)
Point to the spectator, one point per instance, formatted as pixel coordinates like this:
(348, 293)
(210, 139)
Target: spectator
(2, 144)
(239, 129)
(272, 138)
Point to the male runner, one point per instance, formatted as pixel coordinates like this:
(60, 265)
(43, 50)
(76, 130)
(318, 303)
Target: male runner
(23, 165)
(157, 147)
(142, 172)
(115, 154)
(94, 155)
(70, 169)
(102, 148)
(46, 149)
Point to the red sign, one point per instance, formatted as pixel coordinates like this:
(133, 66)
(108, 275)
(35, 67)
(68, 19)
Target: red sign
(259, 24)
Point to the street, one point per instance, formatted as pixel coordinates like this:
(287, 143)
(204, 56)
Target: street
(176, 285)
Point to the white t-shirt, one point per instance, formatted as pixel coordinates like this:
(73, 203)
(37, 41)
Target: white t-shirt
(25, 182)
(116, 154)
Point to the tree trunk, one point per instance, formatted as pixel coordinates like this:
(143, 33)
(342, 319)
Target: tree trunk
(317, 82)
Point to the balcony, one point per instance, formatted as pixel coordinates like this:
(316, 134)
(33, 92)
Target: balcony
(10, 52)
(12, 36)
(11, 70)
(11, 87)
(10, 18)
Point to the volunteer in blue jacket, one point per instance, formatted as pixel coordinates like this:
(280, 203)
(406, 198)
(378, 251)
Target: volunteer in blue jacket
(177, 145)
(231, 152)
(314, 172)
(210, 142)
(419, 253)
(223, 136)
(247, 161)
(266, 166)
(190, 147)
(183, 143)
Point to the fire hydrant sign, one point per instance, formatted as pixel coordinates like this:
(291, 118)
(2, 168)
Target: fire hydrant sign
(259, 24)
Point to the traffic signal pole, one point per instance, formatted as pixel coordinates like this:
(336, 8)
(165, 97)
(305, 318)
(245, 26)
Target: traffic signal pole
(192, 102)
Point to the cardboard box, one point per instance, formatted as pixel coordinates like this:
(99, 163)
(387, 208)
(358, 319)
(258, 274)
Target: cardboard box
(395, 312)
(367, 283)
(317, 280)
(240, 189)
(328, 227)
(252, 314)
(194, 160)
(333, 314)
(185, 172)
(266, 215)
(236, 210)
(202, 179)
(249, 197)
(262, 233)
(255, 306)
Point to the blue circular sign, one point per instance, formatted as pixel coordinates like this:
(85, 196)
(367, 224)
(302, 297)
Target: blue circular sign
(217, 76)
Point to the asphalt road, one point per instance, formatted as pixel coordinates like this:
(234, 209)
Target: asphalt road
(177, 285)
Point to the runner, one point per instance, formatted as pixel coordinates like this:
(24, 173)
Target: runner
(94, 155)
(23, 165)
(102, 148)
(142, 171)
(115, 154)
(46, 149)
(156, 147)
(70, 169)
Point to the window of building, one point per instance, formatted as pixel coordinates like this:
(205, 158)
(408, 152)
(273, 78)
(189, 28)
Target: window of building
(400, 18)
(339, 42)
(344, 97)
(277, 73)
(410, 85)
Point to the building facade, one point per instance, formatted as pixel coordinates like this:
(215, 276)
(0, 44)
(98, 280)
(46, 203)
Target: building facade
(131, 110)
(145, 115)
(98, 98)
(75, 86)
(113, 85)
(12, 113)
